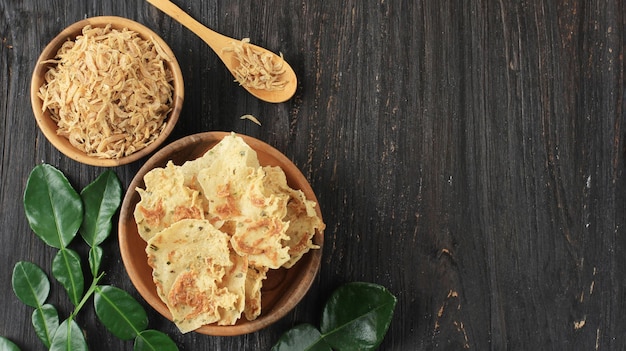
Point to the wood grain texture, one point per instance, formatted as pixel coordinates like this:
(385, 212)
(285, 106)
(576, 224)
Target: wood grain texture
(467, 155)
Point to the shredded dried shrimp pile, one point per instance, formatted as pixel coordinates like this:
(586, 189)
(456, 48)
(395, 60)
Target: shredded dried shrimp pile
(257, 69)
(109, 91)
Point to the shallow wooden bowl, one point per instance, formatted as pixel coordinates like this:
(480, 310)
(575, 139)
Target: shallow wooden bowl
(49, 127)
(282, 289)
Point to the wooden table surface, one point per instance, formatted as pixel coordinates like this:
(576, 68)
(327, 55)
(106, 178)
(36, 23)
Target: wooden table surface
(467, 155)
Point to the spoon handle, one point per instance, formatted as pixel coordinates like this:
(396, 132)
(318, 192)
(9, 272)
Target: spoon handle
(215, 40)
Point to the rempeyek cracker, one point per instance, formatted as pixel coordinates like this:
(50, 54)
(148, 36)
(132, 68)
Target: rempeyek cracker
(300, 214)
(259, 230)
(215, 226)
(190, 260)
(166, 200)
(235, 281)
(254, 283)
(189, 244)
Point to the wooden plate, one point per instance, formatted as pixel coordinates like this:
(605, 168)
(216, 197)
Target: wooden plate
(282, 289)
(49, 126)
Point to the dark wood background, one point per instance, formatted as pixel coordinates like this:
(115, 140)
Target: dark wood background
(467, 155)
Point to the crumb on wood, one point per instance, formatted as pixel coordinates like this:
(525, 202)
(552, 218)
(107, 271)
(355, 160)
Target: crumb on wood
(4, 42)
(440, 313)
(582, 296)
(591, 286)
(251, 118)
(460, 327)
(581, 323)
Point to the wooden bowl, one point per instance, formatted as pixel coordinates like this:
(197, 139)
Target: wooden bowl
(282, 289)
(49, 127)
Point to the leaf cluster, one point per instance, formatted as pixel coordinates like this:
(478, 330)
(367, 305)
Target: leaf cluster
(355, 317)
(57, 214)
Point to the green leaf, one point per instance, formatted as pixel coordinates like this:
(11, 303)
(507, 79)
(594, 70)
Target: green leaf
(7, 345)
(68, 337)
(153, 340)
(30, 284)
(53, 208)
(66, 268)
(101, 199)
(46, 321)
(120, 313)
(357, 316)
(95, 258)
(302, 337)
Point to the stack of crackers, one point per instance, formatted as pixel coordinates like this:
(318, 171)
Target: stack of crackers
(214, 226)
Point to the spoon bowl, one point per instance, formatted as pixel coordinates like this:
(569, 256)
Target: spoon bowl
(221, 43)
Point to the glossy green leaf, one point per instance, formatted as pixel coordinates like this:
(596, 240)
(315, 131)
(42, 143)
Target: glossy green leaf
(7, 345)
(95, 259)
(30, 284)
(120, 313)
(45, 321)
(68, 337)
(101, 200)
(53, 208)
(302, 337)
(66, 268)
(153, 340)
(357, 316)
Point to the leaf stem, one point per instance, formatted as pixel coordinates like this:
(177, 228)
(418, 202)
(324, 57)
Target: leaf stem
(90, 291)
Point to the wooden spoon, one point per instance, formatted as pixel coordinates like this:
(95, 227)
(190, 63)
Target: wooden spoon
(218, 42)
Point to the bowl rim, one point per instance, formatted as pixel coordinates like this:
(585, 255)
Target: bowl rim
(310, 266)
(49, 127)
